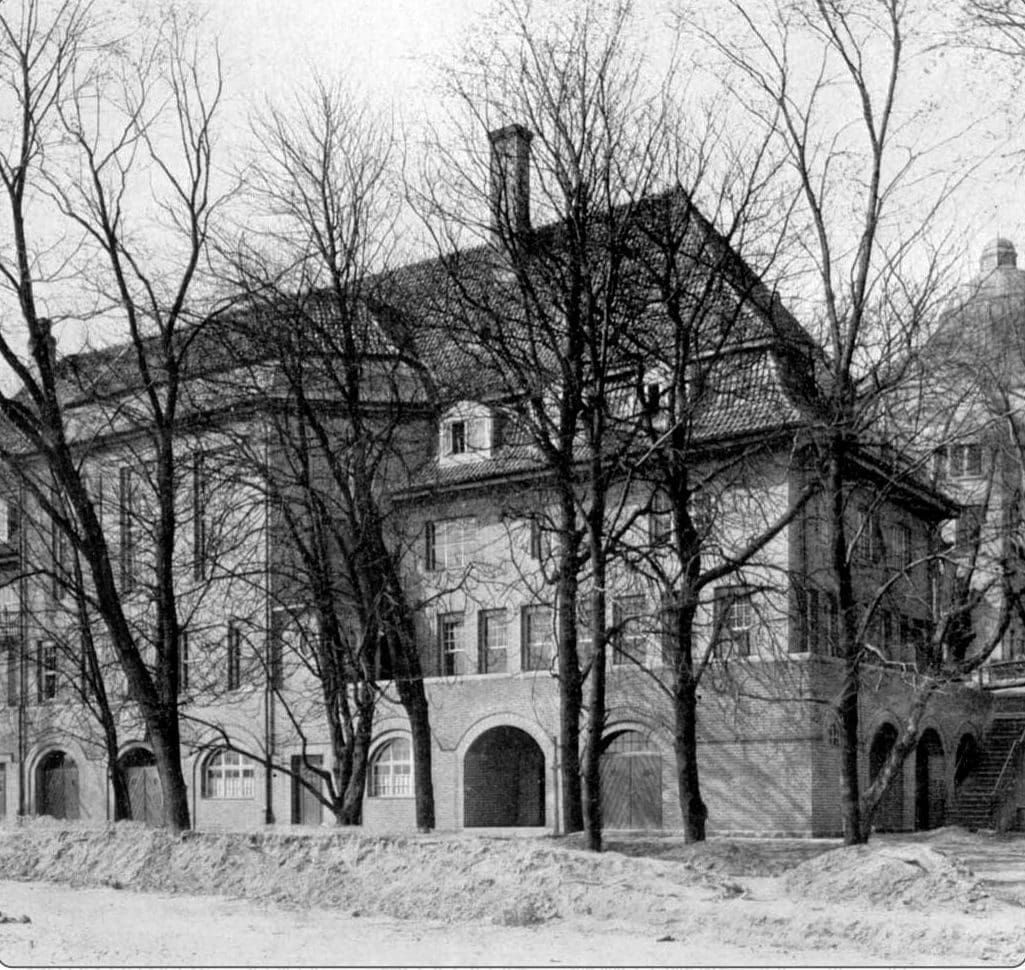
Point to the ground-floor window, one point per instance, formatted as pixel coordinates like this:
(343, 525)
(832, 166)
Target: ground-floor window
(229, 774)
(391, 773)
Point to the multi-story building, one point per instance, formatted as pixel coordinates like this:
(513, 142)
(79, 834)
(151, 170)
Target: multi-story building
(470, 502)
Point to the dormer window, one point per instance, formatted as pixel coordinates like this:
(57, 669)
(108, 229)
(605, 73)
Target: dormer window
(466, 433)
(457, 437)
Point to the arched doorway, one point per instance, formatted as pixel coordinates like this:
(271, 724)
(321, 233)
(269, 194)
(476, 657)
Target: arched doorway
(631, 782)
(504, 780)
(147, 797)
(57, 786)
(889, 816)
(930, 782)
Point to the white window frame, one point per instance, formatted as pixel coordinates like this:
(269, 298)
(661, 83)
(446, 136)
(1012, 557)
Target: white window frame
(452, 640)
(536, 621)
(452, 543)
(391, 770)
(494, 639)
(229, 776)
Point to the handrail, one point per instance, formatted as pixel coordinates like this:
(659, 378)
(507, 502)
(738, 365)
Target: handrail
(1008, 761)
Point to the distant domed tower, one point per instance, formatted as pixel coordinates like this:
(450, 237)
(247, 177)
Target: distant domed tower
(985, 325)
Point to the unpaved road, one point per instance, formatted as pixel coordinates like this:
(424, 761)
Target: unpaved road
(107, 927)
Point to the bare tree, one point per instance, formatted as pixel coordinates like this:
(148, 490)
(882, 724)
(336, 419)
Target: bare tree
(853, 143)
(93, 124)
(339, 419)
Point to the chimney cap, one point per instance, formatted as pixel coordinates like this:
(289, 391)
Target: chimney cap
(506, 132)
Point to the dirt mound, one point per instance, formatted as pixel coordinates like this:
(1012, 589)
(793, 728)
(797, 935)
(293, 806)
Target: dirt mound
(916, 876)
(511, 882)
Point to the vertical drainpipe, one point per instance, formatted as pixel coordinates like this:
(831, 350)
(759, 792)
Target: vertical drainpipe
(269, 648)
(23, 651)
(556, 793)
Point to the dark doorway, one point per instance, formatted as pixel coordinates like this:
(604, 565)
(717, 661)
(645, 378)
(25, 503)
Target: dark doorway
(631, 782)
(504, 780)
(144, 791)
(57, 786)
(307, 808)
(889, 816)
(930, 782)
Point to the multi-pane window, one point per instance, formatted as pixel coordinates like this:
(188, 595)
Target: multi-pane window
(451, 637)
(9, 608)
(869, 542)
(962, 461)
(234, 671)
(457, 437)
(820, 622)
(449, 543)
(63, 565)
(900, 541)
(391, 771)
(183, 661)
(494, 641)
(734, 621)
(200, 498)
(630, 644)
(536, 635)
(46, 670)
(229, 774)
(127, 507)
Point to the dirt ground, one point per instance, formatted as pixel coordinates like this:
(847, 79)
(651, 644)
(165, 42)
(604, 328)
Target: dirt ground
(133, 896)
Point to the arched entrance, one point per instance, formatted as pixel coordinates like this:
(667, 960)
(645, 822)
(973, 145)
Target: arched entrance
(504, 780)
(930, 782)
(889, 816)
(631, 782)
(147, 797)
(57, 786)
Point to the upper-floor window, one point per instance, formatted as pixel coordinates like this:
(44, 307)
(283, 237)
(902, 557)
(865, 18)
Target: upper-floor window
(900, 545)
(234, 658)
(448, 543)
(869, 542)
(734, 621)
(183, 661)
(467, 431)
(8, 522)
(127, 511)
(630, 645)
(536, 634)
(46, 670)
(494, 641)
(456, 437)
(961, 461)
(452, 642)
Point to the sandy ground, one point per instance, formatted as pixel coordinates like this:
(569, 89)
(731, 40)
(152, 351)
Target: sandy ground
(947, 898)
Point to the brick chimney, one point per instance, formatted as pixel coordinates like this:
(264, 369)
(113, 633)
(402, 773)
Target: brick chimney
(510, 180)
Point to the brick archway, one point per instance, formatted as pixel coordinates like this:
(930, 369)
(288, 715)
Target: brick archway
(504, 780)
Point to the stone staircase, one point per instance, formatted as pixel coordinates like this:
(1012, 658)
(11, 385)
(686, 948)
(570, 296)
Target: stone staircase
(974, 806)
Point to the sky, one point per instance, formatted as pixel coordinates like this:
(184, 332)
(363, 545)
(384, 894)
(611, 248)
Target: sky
(390, 49)
(391, 46)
